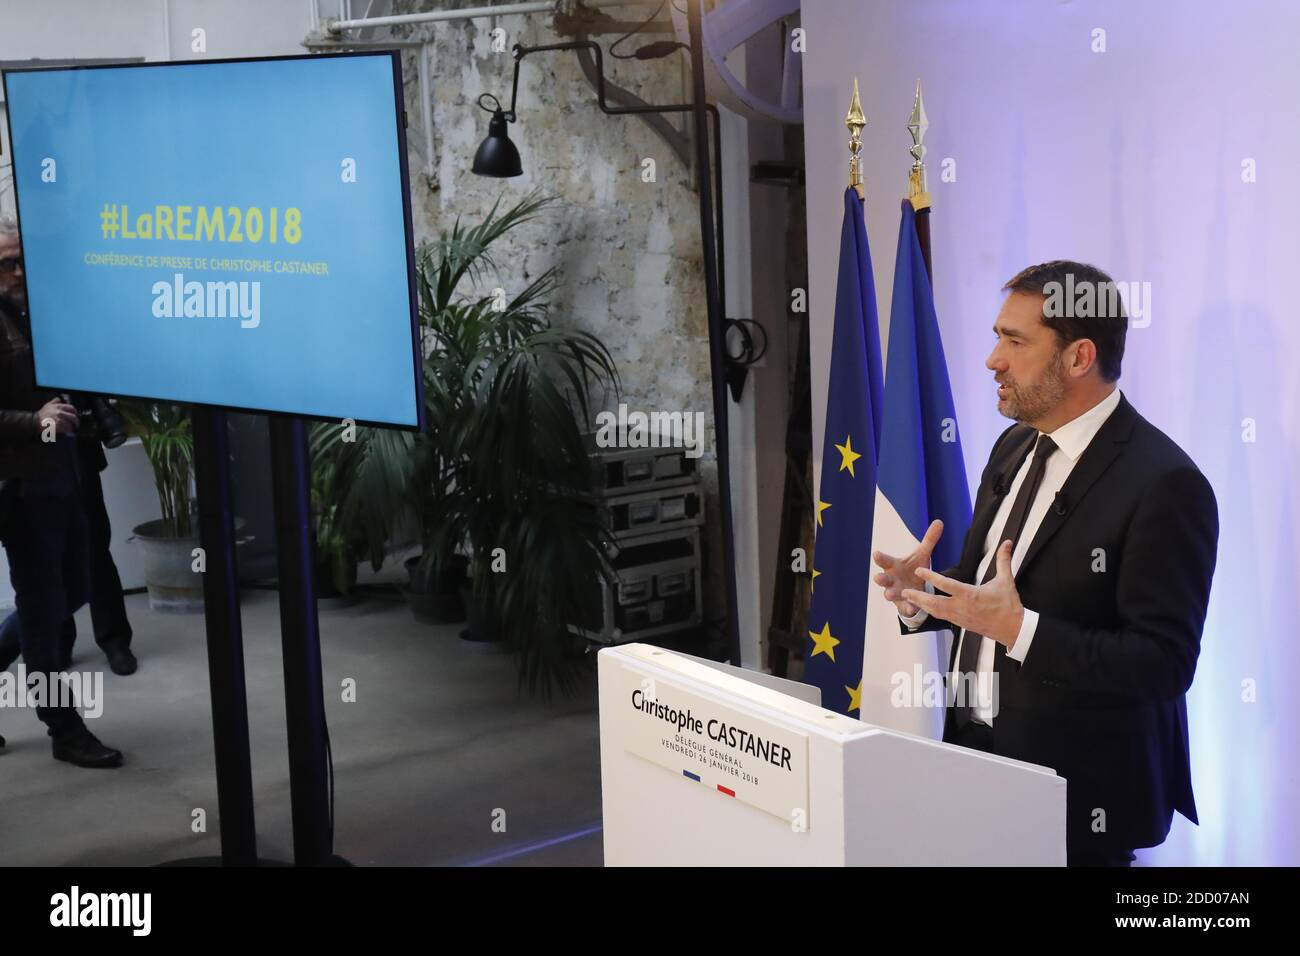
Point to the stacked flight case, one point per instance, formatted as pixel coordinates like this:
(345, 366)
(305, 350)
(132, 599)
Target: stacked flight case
(651, 501)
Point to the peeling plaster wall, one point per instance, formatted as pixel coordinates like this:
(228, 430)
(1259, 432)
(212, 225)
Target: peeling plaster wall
(628, 251)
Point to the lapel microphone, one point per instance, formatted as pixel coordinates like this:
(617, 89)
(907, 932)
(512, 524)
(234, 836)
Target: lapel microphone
(1062, 504)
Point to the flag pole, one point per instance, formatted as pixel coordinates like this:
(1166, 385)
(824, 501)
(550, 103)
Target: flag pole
(855, 120)
(917, 124)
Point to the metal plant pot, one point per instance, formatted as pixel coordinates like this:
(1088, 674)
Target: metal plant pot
(174, 586)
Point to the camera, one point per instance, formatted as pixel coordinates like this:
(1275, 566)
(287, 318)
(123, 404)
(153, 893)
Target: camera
(98, 419)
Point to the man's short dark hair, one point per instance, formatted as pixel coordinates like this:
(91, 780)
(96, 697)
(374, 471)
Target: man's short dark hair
(1080, 302)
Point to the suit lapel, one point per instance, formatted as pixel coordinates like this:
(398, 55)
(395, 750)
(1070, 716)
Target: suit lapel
(1105, 447)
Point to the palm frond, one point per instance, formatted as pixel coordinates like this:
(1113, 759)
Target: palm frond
(503, 461)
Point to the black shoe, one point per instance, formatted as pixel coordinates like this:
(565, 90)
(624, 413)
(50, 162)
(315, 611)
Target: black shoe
(83, 748)
(120, 660)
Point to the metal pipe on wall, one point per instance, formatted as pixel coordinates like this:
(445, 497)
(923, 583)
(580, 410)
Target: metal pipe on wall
(474, 13)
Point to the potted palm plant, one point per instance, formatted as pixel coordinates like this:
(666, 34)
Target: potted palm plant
(496, 481)
(507, 395)
(167, 544)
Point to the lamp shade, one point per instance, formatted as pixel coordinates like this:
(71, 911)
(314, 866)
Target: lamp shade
(496, 155)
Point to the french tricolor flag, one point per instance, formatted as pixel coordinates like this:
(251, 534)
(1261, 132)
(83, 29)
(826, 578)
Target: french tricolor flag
(921, 476)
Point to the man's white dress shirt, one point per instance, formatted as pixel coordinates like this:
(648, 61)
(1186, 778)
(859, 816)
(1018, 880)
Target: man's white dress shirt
(1071, 439)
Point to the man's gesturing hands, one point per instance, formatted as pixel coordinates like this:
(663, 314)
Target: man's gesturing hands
(991, 609)
(899, 574)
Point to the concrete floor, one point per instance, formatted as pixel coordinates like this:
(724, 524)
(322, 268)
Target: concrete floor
(437, 742)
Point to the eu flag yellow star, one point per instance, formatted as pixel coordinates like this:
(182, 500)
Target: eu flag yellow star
(821, 506)
(824, 643)
(855, 697)
(816, 574)
(847, 455)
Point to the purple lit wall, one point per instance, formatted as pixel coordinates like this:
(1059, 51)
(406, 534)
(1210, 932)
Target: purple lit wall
(1133, 159)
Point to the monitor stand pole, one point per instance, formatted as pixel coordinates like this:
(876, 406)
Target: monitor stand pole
(304, 696)
(225, 643)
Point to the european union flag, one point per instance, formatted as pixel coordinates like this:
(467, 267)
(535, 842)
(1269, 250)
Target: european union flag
(841, 567)
(922, 476)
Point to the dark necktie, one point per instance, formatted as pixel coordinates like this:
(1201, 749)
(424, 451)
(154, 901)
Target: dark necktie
(967, 666)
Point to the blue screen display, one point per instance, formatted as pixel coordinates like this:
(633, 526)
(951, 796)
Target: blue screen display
(225, 233)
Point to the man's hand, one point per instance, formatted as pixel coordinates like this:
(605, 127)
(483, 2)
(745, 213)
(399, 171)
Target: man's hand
(61, 413)
(991, 609)
(898, 574)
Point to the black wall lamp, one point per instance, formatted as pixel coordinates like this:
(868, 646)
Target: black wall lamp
(497, 129)
(497, 156)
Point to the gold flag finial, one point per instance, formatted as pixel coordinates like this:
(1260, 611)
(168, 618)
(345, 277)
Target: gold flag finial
(855, 121)
(917, 124)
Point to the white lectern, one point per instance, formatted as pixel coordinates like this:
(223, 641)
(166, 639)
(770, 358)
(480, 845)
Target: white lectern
(704, 764)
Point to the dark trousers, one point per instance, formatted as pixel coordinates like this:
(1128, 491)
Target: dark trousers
(107, 605)
(44, 540)
(11, 640)
(977, 736)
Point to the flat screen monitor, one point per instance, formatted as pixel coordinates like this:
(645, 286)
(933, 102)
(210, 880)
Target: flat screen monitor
(233, 233)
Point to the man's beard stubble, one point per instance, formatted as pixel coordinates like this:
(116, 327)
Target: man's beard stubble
(1032, 403)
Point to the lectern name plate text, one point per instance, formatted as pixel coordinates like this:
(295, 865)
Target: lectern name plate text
(736, 754)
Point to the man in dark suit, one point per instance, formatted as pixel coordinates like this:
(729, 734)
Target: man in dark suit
(42, 523)
(1082, 588)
